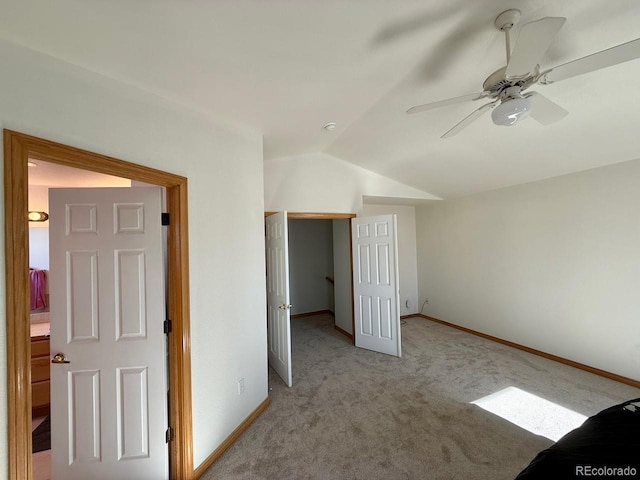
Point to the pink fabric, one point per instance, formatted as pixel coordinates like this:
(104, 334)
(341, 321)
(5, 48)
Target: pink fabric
(38, 281)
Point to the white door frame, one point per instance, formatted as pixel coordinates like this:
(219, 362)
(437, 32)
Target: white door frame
(18, 149)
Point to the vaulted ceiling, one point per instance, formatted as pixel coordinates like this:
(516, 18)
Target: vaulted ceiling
(286, 68)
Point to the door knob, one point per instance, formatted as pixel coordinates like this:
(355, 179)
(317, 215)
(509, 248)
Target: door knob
(284, 306)
(59, 358)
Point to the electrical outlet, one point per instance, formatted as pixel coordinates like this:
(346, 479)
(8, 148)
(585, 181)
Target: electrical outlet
(241, 386)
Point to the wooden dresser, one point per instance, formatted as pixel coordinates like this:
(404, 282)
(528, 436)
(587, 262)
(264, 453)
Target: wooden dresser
(40, 385)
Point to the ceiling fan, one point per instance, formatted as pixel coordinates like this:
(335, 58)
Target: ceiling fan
(506, 86)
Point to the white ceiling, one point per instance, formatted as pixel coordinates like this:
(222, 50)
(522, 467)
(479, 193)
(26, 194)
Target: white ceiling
(54, 175)
(285, 68)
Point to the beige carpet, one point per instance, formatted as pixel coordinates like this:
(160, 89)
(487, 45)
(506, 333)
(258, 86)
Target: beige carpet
(356, 414)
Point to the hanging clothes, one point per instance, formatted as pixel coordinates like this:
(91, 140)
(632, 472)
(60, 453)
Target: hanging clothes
(38, 287)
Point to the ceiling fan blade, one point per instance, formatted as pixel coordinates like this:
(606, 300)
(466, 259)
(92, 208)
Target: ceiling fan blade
(544, 110)
(444, 103)
(606, 58)
(469, 119)
(533, 41)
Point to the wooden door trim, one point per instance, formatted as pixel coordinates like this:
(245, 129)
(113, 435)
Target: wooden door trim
(316, 216)
(18, 148)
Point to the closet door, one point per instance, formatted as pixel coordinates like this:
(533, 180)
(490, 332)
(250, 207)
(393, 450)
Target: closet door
(375, 284)
(278, 306)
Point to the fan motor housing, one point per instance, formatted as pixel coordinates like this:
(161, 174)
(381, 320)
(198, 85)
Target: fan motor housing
(498, 81)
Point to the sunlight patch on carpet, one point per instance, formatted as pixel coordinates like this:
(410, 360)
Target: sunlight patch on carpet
(531, 412)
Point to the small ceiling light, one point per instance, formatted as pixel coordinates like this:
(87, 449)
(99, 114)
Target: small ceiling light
(513, 108)
(31, 164)
(329, 127)
(34, 216)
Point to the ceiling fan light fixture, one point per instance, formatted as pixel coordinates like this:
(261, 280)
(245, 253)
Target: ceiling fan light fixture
(511, 111)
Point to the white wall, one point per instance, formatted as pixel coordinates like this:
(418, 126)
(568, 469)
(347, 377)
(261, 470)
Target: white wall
(323, 183)
(553, 265)
(407, 254)
(54, 100)
(39, 201)
(310, 261)
(39, 248)
(39, 231)
(342, 275)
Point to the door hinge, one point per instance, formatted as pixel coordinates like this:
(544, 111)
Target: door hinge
(165, 219)
(168, 436)
(168, 327)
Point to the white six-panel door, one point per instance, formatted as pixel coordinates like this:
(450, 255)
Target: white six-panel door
(278, 307)
(376, 293)
(108, 404)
